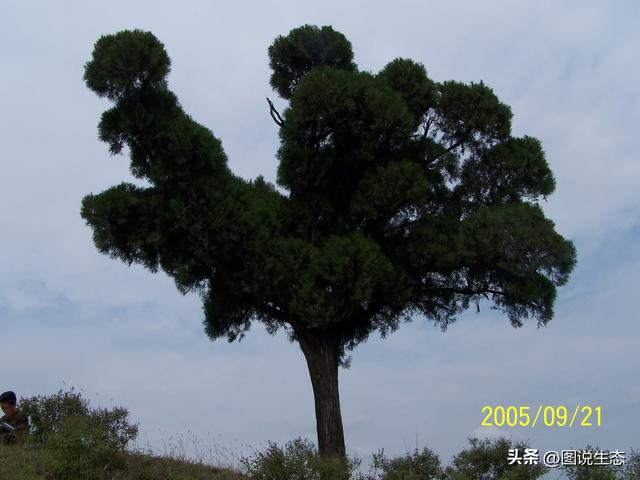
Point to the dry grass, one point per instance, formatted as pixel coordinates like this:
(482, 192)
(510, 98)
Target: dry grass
(23, 462)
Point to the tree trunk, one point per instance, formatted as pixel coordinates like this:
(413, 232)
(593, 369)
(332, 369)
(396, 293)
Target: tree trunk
(322, 354)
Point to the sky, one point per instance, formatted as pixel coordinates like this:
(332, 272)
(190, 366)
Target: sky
(70, 316)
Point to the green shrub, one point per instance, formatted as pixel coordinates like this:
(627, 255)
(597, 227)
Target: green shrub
(487, 460)
(298, 460)
(632, 466)
(424, 465)
(630, 470)
(79, 441)
(82, 448)
(47, 414)
(46, 411)
(117, 428)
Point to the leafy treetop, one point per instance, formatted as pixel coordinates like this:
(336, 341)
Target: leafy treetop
(403, 196)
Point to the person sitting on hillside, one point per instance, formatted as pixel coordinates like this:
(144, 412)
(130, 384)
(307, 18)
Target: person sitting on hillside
(14, 422)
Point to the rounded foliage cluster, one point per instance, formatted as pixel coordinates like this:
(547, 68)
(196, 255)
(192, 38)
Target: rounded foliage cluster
(293, 56)
(125, 62)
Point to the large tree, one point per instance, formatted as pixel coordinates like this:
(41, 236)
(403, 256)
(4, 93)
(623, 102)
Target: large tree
(400, 197)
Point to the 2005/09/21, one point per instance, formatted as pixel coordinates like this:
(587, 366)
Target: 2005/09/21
(550, 416)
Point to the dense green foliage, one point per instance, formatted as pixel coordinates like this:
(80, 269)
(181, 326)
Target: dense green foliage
(305, 48)
(405, 196)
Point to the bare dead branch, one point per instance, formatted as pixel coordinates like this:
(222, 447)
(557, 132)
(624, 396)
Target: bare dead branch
(274, 113)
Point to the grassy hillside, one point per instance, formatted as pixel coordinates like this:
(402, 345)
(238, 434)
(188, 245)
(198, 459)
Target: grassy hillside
(28, 463)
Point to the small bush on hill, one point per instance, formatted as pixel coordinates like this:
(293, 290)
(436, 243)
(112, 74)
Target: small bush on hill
(83, 447)
(419, 465)
(79, 441)
(298, 460)
(487, 460)
(46, 411)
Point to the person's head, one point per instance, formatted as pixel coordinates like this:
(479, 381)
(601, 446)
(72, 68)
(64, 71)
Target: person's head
(8, 402)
